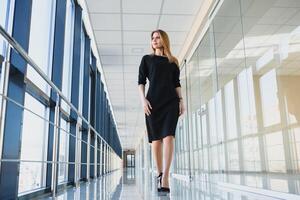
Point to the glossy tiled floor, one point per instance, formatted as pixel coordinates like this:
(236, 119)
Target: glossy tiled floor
(135, 185)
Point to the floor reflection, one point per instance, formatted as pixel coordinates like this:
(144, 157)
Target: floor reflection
(135, 184)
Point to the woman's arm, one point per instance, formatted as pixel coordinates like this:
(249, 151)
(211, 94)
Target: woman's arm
(181, 105)
(145, 102)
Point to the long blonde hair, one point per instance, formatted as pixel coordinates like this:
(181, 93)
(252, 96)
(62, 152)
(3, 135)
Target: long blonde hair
(166, 46)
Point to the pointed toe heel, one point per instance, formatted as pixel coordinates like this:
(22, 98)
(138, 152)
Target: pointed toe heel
(158, 178)
(165, 189)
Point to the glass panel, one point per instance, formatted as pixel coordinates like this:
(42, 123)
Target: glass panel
(212, 121)
(251, 154)
(288, 75)
(279, 185)
(199, 128)
(194, 131)
(296, 140)
(221, 157)
(81, 71)
(204, 129)
(32, 176)
(185, 135)
(228, 39)
(41, 41)
(214, 158)
(205, 159)
(193, 97)
(6, 16)
(247, 107)
(133, 160)
(200, 153)
(269, 99)
(68, 53)
(275, 152)
(193, 83)
(207, 70)
(219, 116)
(233, 156)
(230, 111)
(254, 181)
(63, 151)
(78, 153)
(195, 160)
(3, 8)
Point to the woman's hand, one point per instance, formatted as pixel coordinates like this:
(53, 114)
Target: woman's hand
(181, 107)
(147, 107)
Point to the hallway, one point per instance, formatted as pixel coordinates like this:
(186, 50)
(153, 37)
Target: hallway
(72, 118)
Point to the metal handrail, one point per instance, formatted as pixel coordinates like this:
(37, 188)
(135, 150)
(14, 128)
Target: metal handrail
(15, 45)
(44, 119)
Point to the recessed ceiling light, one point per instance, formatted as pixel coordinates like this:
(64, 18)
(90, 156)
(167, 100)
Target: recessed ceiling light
(137, 50)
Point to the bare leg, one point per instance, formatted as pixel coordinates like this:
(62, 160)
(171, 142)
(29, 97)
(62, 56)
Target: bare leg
(168, 155)
(157, 153)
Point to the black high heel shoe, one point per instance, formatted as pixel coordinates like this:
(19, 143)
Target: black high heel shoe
(159, 177)
(165, 189)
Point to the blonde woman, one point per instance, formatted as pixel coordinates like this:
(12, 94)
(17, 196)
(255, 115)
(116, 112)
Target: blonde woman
(163, 103)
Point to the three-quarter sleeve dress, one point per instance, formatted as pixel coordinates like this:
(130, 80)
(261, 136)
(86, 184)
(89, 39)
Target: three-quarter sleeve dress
(163, 78)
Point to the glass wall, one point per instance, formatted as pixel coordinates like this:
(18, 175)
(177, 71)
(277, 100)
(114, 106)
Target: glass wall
(35, 125)
(241, 90)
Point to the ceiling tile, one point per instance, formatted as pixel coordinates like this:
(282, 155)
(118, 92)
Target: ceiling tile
(113, 76)
(132, 60)
(108, 37)
(141, 6)
(103, 5)
(176, 22)
(112, 69)
(110, 49)
(181, 7)
(131, 68)
(131, 76)
(143, 37)
(139, 22)
(136, 49)
(111, 60)
(106, 21)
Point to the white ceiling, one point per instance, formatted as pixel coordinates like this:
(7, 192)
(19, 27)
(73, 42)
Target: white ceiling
(122, 31)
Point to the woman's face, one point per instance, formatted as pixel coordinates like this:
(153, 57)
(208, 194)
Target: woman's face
(156, 41)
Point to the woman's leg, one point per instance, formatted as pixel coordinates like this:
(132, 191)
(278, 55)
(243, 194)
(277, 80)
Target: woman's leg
(168, 155)
(157, 153)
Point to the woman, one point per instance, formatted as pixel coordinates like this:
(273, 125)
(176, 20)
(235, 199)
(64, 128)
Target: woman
(163, 103)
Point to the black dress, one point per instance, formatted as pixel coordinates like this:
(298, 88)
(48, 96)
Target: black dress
(163, 78)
